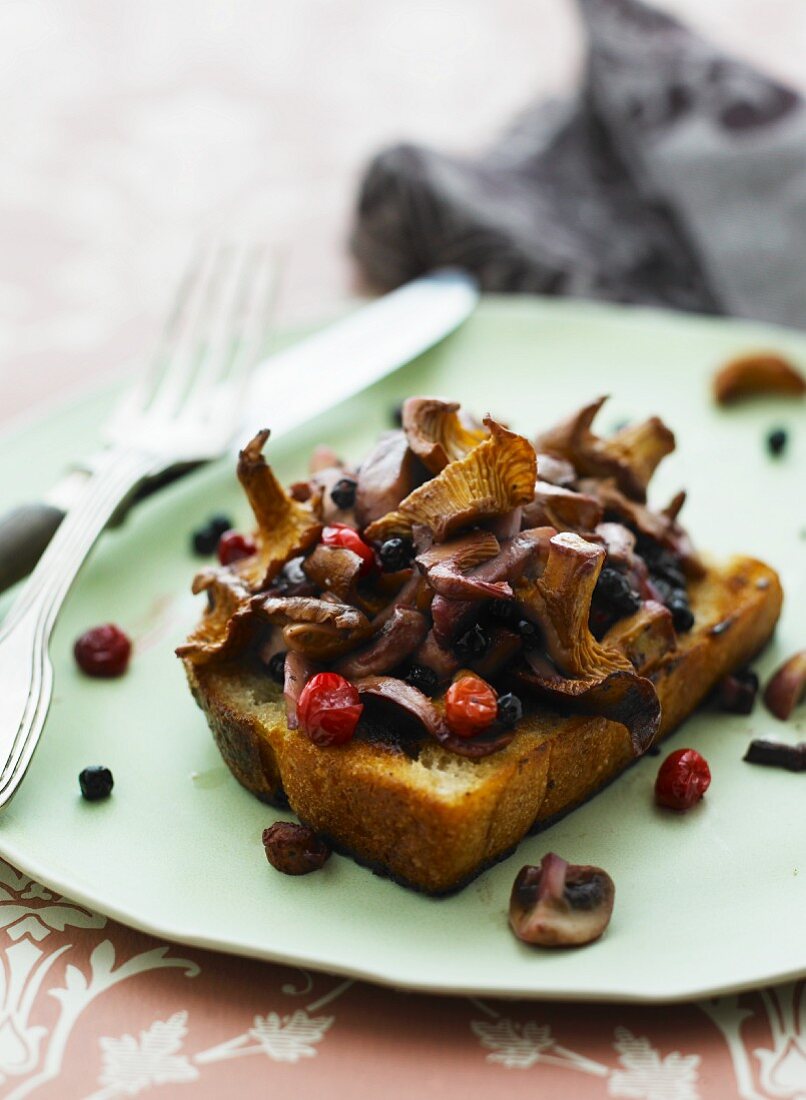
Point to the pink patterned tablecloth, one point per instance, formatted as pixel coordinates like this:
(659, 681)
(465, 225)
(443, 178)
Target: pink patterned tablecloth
(127, 129)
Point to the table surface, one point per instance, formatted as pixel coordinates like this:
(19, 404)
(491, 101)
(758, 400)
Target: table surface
(128, 130)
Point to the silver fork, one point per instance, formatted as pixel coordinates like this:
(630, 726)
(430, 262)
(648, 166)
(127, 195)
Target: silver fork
(185, 409)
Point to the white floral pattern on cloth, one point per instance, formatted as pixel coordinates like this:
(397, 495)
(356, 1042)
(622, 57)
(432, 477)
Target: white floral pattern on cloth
(32, 918)
(644, 1074)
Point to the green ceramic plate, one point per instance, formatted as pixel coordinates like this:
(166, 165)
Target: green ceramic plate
(706, 902)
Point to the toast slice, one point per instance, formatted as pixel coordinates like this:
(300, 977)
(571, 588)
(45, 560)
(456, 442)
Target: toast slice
(433, 820)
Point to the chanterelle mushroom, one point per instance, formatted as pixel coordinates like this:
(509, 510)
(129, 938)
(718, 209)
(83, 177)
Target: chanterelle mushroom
(495, 477)
(286, 527)
(228, 621)
(436, 432)
(631, 456)
(386, 476)
(599, 678)
(559, 904)
(319, 629)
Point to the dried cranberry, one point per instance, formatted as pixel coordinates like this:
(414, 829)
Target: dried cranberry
(103, 651)
(343, 492)
(471, 706)
(683, 778)
(96, 782)
(329, 709)
(340, 534)
(233, 546)
(294, 849)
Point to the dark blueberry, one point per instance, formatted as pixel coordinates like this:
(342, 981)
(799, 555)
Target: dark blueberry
(472, 644)
(96, 782)
(205, 539)
(343, 492)
(423, 678)
(395, 554)
(276, 667)
(397, 415)
(614, 590)
(682, 616)
(503, 613)
(510, 710)
(777, 441)
(530, 633)
(736, 693)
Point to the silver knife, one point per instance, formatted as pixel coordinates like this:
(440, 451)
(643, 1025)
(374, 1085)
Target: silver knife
(287, 389)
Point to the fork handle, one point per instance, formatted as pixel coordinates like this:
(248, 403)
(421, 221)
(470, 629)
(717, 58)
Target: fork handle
(26, 673)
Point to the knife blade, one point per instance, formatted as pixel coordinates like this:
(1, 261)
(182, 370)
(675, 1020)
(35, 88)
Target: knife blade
(286, 389)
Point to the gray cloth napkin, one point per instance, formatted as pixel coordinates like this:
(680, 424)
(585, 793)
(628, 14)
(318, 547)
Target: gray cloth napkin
(677, 177)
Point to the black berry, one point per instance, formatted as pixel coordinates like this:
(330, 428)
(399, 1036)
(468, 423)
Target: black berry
(682, 616)
(343, 492)
(423, 678)
(473, 644)
(276, 667)
(530, 633)
(397, 416)
(510, 710)
(395, 554)
(615, 592)
(205, 539)
(96, 782)
(777, 441)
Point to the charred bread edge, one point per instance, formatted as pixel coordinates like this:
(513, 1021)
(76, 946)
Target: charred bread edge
(729, 647)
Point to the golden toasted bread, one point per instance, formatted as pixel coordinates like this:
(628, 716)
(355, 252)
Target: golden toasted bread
(433, 820)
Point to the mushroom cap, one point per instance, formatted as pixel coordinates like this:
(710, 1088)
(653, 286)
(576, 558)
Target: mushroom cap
(558, 904)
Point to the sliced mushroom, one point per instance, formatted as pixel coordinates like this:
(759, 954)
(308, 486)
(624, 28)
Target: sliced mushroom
(597, 678)
(758, 373)
(286, 527)
(333, 569)
(557, 471)
(298, 671)
(644, 637)
(442, 661)
(436, 432)
(564, 509)
(787, 687)
(495, 477)
(559, 904)
(516, 556)
(321, 629)
(386, 476)
(228, 622)
(449, 566)
(631, 456)
(660, 526)
(419, 706)
(400, 635)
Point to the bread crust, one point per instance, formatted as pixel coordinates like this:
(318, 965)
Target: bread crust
(435, 822)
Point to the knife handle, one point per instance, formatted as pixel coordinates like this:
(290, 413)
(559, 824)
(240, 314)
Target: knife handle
(25, 531)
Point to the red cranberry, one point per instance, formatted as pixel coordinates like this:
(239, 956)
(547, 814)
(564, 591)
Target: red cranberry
(103, 651)
(683, 778)
(329, 709)
(233, 546)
